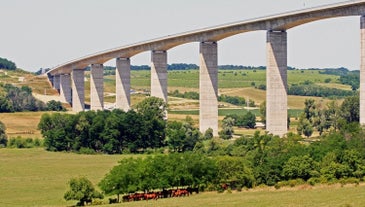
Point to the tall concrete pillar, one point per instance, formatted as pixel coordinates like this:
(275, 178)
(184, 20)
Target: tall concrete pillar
(159, 74)
(362, 71)
(56, 82)
(208, 87)
(276, 81)
(97, 87)
(78, 90)
(123, 83)
(65, 88)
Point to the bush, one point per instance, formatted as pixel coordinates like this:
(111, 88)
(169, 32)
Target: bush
(86, 151)
(20, 142)
(345, 181)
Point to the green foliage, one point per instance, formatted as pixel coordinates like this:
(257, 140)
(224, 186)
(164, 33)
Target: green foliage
(55, 106)
(310, 89)
(247, 120)
(106, 131)
(235, 100)
(181, 137)
(7, 64)
(235, 171)
(189, 95)
(227, 131)
(19, 99)
(159, 172)
(81, 189)
(3, 136)
(20, 142)
(299, 167)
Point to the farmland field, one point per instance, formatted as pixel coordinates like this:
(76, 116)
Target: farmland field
(34, 177)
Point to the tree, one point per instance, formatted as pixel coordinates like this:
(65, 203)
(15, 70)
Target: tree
(263, 112)
(249, 120)
(153, 112)
(227, 131)
(350, 109)
(7, 64)
(152, 108)
(304, 126)
(81, 189)
(55, 106)
(123, 178)
(3, 137)
(299, 167)
(235, 171)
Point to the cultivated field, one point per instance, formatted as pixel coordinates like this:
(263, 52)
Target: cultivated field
(34, 177)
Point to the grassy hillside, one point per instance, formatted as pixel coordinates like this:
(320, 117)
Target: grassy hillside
(34, 177)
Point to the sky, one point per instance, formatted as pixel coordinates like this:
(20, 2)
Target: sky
(45, 33)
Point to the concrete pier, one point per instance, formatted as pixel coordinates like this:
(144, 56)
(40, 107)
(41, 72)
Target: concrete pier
(159, 74)
(123, 83)
(97, 87)
(362, 71)
(208, 87)
(65, 88)
(56, 82)
(78, 90)
(276, 79)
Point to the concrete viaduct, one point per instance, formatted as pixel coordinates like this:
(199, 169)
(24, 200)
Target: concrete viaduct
(69, 77)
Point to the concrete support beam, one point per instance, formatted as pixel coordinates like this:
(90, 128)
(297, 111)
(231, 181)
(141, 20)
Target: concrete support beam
(123, 83)
(56, 82)
(65, 88)
(159, 74)
(78, 90)
(97, 87)
(276, 78)
(362, 71)
(208, 87)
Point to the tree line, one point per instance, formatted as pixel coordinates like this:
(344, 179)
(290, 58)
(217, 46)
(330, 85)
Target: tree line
(15, 99)
(235, 100)
(7, 64)
(106, 131)
(247, 162)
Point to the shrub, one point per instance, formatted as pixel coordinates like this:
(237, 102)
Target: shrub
(87, 151)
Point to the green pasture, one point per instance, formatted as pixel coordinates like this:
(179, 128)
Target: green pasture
(225, 112)
(35, 177)
(226, 78)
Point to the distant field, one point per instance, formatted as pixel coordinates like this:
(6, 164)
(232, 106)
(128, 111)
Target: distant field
(34, 177)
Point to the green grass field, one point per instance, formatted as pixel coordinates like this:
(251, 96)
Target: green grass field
(34, 177)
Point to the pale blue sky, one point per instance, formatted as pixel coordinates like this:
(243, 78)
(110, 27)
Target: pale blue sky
(47, 33)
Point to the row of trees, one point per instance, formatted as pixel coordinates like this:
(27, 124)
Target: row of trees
(7, 64)
(235, 100)
(175, 170)
(310, 89)
(118, 131)
(106, 131)
(318, 91)
(247, 162)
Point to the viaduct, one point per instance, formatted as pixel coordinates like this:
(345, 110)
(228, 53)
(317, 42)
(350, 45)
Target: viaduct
(69, 77)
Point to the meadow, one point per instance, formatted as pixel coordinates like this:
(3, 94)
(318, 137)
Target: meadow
(35, 177)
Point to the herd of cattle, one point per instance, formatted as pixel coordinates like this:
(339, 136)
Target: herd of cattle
(160, 194)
